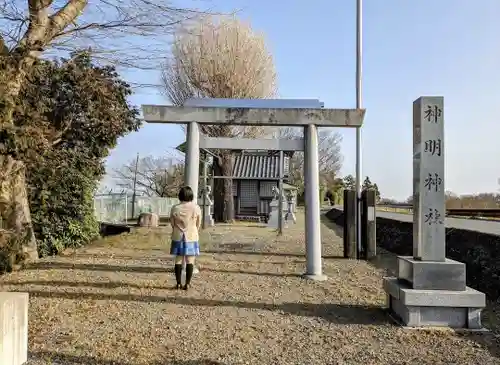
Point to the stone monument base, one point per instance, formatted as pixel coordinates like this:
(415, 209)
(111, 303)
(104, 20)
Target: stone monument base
(290, 218)
(441, 275)
(434, 308)
(274, 219)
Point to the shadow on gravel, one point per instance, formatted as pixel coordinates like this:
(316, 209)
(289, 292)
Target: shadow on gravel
(82, 284)
(137, 257)
(138, 269)
(335, 313)
(96, 267)
(256, 273)
(52, 357)
(339, 231)
(261, 253)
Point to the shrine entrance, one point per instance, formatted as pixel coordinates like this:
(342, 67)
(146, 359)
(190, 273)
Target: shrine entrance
(308, 114)
(260, 167)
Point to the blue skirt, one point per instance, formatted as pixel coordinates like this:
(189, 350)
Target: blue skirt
(183, 248)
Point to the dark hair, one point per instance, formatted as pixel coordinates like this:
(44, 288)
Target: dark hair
(186, 194)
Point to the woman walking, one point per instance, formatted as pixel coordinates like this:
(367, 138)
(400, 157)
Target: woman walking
(185, 219)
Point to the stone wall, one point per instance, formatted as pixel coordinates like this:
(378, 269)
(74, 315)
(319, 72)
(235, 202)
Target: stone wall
(479, 251)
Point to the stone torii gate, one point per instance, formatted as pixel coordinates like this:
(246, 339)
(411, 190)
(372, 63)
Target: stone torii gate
(271, 113)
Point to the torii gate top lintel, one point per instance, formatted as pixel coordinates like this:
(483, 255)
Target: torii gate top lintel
(260, 112)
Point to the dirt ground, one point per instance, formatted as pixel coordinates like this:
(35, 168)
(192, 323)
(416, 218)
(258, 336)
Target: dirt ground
(113, 303)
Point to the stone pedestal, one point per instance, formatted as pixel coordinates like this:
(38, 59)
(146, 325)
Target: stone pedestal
(209, 220)
(430, 290)
(274, 215)
(206, 203)
(434, 308)
(440, 275)
(290, 215)
(423, 295)
(14, 325)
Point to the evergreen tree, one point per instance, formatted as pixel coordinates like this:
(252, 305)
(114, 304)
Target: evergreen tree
(349, 182)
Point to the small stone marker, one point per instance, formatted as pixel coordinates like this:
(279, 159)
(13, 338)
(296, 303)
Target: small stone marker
(14, 325)
(430, 290)
(148, 220)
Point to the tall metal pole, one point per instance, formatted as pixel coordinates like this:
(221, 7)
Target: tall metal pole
(280, 196)
(205, 178)
(359, 54)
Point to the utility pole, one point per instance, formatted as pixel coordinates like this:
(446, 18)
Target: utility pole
(359, 68)
(204, 196)
(135, 182)
(280, 198)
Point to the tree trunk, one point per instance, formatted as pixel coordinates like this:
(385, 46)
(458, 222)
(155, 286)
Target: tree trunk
(15, 212)
(223, 189)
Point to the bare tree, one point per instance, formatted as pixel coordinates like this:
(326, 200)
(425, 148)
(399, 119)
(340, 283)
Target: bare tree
(220, 57)
(28, 29)
(329, 151)
(155, 176)
(130, 33)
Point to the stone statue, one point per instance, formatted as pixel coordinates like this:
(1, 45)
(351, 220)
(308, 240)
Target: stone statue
(207, 208)
(275, 192)
(208, 192)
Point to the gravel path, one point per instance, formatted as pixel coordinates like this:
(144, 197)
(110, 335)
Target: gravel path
(112, 303)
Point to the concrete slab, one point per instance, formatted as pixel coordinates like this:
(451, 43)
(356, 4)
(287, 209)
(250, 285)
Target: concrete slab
(446, 275)
(398, 322)
(443, 298)
(14, 325)
(434, 308)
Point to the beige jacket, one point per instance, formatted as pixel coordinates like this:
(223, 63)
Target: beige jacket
(185, 218)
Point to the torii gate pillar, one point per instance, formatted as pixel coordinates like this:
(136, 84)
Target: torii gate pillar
(192, 164)
(314, 265)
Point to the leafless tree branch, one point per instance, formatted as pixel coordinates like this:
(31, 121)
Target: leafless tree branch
(329, 150)
(156, 176)
(125, 33)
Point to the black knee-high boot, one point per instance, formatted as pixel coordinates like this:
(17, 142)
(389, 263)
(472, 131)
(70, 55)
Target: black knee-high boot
(178, 275)
(189, 275)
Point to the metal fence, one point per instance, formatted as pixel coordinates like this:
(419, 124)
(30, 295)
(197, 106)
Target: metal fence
(117, 208)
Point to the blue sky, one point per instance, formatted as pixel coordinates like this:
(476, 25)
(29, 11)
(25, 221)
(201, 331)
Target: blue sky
(411, 48)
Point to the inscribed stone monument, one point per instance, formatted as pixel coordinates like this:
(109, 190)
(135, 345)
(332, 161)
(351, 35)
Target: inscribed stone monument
(430, 290)
(428, 183)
